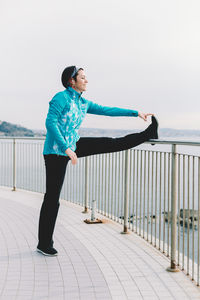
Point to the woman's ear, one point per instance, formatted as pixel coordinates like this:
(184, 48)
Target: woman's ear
(71, 81)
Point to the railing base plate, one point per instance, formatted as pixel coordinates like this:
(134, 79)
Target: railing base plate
(96, 221)
(172, 270)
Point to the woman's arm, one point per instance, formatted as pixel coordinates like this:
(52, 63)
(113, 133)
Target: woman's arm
(97, 109)
(56, 107)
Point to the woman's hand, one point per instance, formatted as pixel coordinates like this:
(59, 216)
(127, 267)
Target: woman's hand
(72, 156)
(143, 115)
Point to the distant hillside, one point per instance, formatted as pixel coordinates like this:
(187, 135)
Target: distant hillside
(163, 132)
(170, 132)
(8, 129)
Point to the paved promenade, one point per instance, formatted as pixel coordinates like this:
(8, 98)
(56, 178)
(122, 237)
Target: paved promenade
(94, 261)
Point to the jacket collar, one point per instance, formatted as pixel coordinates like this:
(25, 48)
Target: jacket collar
(74, 94)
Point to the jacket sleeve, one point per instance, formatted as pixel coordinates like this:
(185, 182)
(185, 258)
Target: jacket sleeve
(56, 106)
(97, 109)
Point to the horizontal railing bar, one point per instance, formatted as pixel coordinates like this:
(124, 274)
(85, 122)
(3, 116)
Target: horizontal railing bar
(173, 142)
(22, 138)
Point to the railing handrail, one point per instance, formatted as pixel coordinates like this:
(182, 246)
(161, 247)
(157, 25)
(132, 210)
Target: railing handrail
(22, 138)
(159, 141)
(174, 142)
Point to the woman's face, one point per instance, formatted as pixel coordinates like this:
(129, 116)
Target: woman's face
(81, 82)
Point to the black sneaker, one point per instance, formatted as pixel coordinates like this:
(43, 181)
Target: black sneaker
(154, 123)
(50, 251)
(151, 132)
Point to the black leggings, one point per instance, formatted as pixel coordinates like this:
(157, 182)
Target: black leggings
(55, 173)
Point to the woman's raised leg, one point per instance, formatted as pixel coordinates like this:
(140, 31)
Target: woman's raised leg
(90, 146)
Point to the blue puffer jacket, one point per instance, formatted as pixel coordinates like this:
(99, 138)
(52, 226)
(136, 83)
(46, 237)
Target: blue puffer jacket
(66, 113)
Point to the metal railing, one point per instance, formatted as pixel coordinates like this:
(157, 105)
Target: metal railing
(153, 191)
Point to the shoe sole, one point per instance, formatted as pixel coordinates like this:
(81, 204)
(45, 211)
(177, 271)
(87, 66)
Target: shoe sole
(47, 254)
(156, 136)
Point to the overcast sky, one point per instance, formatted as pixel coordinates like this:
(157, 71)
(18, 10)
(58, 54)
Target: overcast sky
(139, 54)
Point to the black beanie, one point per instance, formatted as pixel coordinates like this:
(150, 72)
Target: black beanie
(68, 73)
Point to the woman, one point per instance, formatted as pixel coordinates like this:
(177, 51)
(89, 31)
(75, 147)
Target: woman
(66, 112)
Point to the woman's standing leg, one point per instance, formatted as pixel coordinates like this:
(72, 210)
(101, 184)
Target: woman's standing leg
(55, 172)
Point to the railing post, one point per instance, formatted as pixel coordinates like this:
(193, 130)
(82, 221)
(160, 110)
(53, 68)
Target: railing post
(126, 191)
(173, 267)
(14, 165)
(93, 213)
(86, 185)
